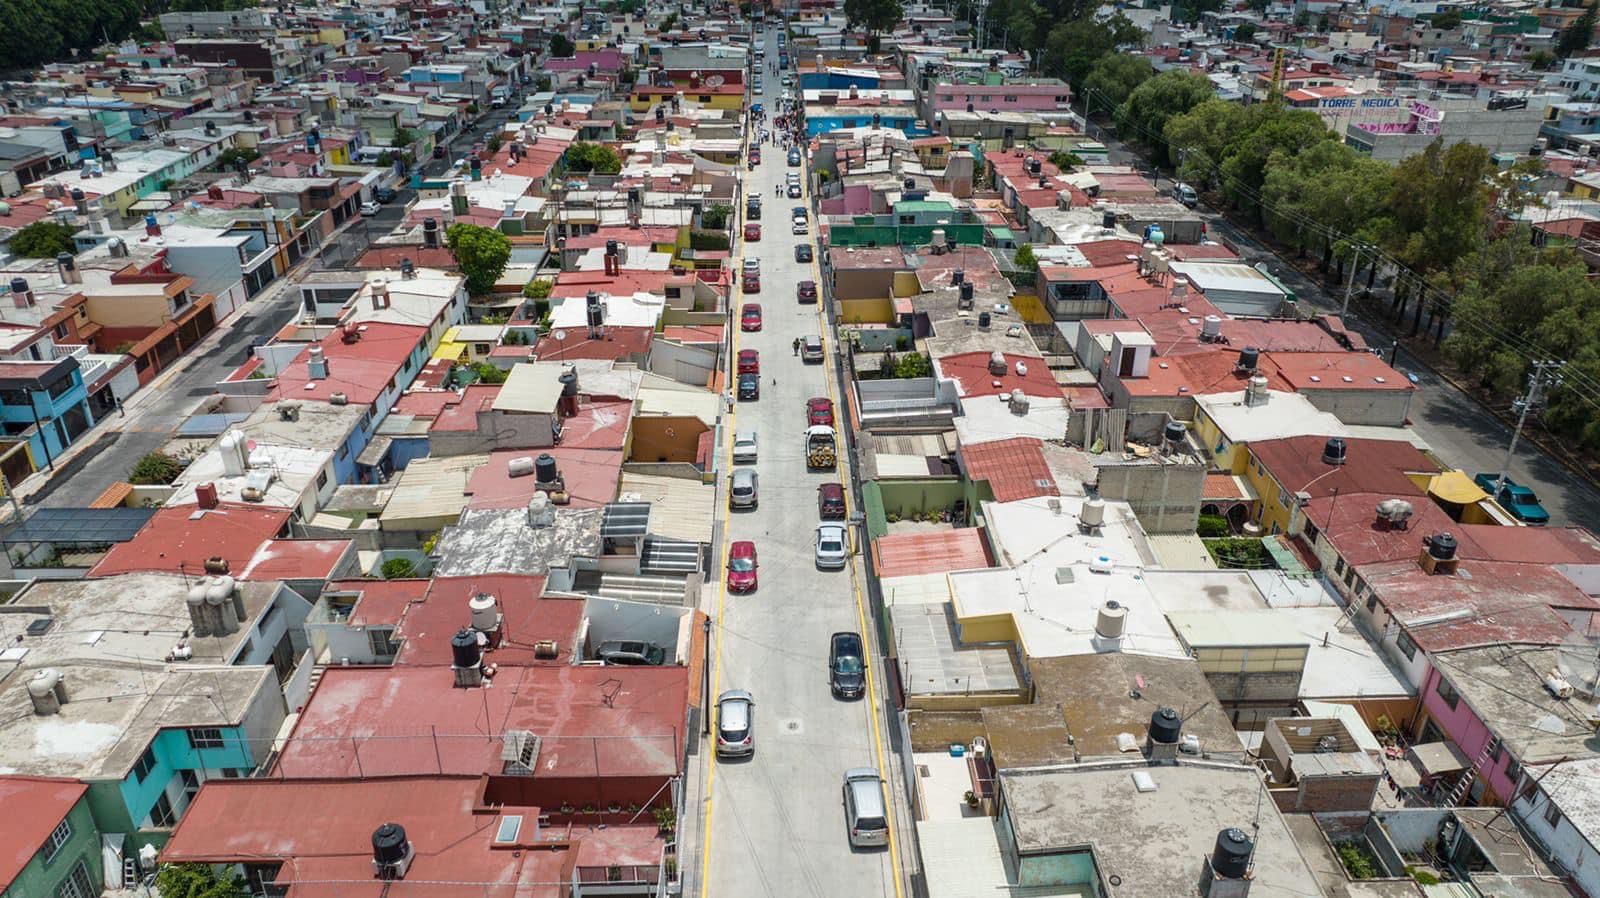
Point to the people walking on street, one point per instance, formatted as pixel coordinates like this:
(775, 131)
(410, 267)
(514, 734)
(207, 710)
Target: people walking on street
(796, 345)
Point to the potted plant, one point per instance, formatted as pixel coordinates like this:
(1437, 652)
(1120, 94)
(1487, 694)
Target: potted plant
(972, 798)
(666, 819)
(614, 807)
(566, 807)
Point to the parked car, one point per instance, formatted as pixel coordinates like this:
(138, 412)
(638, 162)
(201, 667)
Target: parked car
(1515, 498)
(800, 228)
(752, 231)
(750, 315)
(384, 194)
(749, 361)
(794, 191)
(830, 502)
(794, 157)
(749, 387)
(832, 546)
(797, 212)
(631, 653)
(745, 448)
(811, 348)
(864, 810)
(802, 252)
(370, 208)
(847, 665)
(752, 284)
(752, 208)
(806, 291)
(743, 488)
(1185, 194)
(755, 156)
(735, 724)
(751, 264)
(742, 566)
(819, 410)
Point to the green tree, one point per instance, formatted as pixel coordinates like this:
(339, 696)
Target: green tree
(44, 239)
(876, 16)
(1539, 60)
(489, 374)
(1577, 36)
(155, 468)
(1244, 32)
(1327, 187)
(593, 157)
(232, 156)
(394, 569)
(561, 46)
(1064, 160)
(481, 254)
(1280, 130)
(1024, 258)
(538, 288)
(1446, 20)
(1113, 78)
(1152, 104)
(198, 881)
(1206, 134)
(1073, 47)
(716, 217)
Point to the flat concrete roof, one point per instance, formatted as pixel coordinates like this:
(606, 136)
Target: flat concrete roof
(532, 388)
(1096, 694)
(1504, 687)
(1155, 842)
(931, 663)
(500, 541)
(962, 858)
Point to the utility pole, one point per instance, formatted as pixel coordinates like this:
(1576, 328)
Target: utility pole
(1544, 376)
(1344, 308)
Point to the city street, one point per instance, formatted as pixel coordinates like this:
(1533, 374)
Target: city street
(776, 820)
(1460, 430)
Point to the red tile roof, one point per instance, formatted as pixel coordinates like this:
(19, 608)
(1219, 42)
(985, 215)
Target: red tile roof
(183, 537)
(1350, 524)
(619, 343)
(1015, 468)
(382, 601)
(429, 624)
(360, 370)
(970, 371)
(463, 416)
(35, 805)
(599, 424)
(1223, 486)
(1371, 466)
(592, 721)
(292, 559)
(590, 476)
(931, 552)
(1339, 371)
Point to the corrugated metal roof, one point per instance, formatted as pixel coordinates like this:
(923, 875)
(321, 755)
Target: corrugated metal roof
(430, 488)
(679, 508)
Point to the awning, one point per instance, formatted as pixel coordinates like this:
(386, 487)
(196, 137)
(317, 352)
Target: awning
(1437, 758)
(1456, 488)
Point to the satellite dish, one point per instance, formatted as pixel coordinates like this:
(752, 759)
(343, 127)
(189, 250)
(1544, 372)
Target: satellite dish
(1578, 657)
(559, 335)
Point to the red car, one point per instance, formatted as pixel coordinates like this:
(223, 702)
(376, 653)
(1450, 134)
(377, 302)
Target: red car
(806, 291)
(752, 284)
(819, 411)
(750, 362)
(752, 231)
(750, 315)
(742, 566)
(755, 156)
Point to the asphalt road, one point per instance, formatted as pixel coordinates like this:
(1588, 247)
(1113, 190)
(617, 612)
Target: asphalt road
(1459, 429)
(776, 820)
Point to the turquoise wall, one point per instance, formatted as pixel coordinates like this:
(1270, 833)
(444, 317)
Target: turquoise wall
(173, 753)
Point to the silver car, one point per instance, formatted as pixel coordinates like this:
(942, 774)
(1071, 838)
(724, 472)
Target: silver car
(735, 724)
(744, 447)
(743, 489)
(833, 546)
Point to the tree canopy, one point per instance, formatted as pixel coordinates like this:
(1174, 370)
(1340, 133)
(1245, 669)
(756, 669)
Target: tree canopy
(42, 240)
(876, 16)
(1113, 78)
(1577, 36)
(1152, 104)
(561, 46)
(198, 881)
(481, 254)
(34, 32)
(593, 157)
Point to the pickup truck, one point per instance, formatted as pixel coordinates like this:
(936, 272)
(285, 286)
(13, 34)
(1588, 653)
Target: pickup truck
(1515, 498)
(821, 447)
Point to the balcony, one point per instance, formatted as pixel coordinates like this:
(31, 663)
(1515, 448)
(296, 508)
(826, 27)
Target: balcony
(633, 880)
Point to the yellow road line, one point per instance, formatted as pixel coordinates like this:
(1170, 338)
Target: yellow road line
(841, 470)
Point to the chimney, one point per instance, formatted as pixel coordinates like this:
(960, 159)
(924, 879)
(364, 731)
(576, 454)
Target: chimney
(68, 269)
(1161, 745)
(152, 228)
(318, 364)
(1439, 554)
(21, 293)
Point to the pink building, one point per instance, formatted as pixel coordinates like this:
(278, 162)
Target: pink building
(1045, 96)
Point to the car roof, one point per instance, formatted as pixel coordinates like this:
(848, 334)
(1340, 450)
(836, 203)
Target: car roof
(831, 489)
(747, 376)
(830, 528)
(862, 773)
(742, 474)
(741, 547)
(745, 352)
(744, 435)
(816, 399)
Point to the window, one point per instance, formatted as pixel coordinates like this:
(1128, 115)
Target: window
(145, 764)
(1372, 603)
(77, 884)
(1447, 692)
(1311, 532)
(1513, 769)
(1009, 98)
(60, 331)
(381, 640)
(205, 737)
(161, 815)
(59, 837)
(322, 479)
(1406, 646)
(1552, 814)
(1529, 791)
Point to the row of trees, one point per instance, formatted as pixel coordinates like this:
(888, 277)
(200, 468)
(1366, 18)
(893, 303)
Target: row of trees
(34, 32)
(1441, 222)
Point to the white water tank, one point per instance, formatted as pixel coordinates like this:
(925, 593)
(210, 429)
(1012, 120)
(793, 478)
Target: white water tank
(1094, 513)
(48, 691)
(1111, 620)
(1211, 328)
(232, 449)
(521, 466)
(485, 611)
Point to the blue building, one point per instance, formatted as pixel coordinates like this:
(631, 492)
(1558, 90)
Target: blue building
(45, 403)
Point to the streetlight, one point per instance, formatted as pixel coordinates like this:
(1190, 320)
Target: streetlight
(705, 713)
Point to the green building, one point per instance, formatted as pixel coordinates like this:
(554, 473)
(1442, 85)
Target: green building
(51, 816)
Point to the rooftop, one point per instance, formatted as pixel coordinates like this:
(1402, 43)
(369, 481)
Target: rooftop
(431, 620)
(1483, 604)
(971, 373)
(930, 552)
(1504, 687)
(933, 663)
(36, 805)
(1283, 415)
(589, 476)
(361, 370)
(489, 541)
(182, 537)
(1155, 842)
(1014, 469)
(1371, 466)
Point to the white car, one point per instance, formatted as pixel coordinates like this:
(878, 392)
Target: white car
(370, 208)
(800, 228)
(833, 549)
(744, 446)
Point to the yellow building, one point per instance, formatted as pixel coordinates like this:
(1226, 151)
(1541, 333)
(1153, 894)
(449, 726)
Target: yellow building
(1286, 472)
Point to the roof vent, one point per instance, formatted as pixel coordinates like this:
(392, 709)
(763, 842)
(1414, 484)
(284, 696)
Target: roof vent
(391, 852)
(1395, 513)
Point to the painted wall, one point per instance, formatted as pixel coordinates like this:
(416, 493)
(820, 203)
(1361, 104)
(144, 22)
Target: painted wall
(1566, 844)
(658, 439)
(41, 877)
(1464, 728)
(1002, 97)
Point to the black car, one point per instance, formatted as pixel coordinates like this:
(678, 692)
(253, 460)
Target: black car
(847, 665)
(384, 194)
(749, 387)
(794, 158)
(802, 252)
(752, 209)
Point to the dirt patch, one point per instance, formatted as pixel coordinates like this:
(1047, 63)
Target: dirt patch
(938, 730)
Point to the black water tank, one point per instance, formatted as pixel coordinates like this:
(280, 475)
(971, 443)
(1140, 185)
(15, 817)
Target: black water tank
(958, 276)
(19, 285)
(661, 113)
(1442, 547)
(544, 468)
(611, 248)
(595, 315)
(1108, 219)
(966, 292)
(983, 319)
(389, 844)
(464, 650)
(1231, 857)
(633, 195)
(1249, 357)
(1165, 726)
(1174, 432)
(65, 261)
(569, 385)
(1333, 451)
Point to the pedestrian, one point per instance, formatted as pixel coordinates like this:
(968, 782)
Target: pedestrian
(796, 345)
(774, 380)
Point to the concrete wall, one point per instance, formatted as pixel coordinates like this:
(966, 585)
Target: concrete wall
(685, 364)
(1462, 726)
(1567, 846)
(496, 430)
(1166, 498)
(1387, 408)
